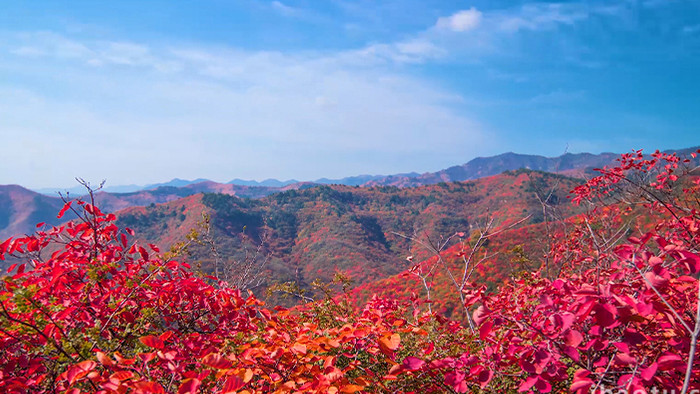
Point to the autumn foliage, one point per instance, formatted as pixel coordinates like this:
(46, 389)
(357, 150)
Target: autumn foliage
(614, 305)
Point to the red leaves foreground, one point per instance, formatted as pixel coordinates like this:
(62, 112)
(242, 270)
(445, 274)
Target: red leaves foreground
(88, 310)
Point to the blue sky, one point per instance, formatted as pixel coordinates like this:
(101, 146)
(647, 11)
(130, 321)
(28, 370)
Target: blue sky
(139, 92)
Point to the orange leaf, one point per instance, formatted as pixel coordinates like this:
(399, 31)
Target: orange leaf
(389, 343)
(104, 359)
(299, 348)
(246, 375)
(351, 388)
(121, 375)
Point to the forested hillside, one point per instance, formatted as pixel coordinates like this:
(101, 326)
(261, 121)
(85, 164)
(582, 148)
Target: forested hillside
(361, 232)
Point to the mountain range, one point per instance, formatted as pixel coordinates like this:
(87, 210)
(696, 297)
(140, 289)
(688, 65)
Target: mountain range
(569, 164)
(21, 208)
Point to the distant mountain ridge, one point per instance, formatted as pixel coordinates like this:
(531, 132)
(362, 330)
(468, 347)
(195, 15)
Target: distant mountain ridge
(571, 164)
(21, 209)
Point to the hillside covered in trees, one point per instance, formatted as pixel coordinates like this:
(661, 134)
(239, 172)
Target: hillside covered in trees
(363, 233)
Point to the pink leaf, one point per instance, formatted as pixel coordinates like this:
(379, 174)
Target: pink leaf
(648, 373)
(413, 363)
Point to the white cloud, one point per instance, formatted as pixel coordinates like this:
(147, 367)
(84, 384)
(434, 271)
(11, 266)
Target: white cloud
(284, 9)
(44, 43)
(542, 16)
(460, 21)
(416, 50)
(29, 51)
(94, 53)
(125, 53)
(225, 113)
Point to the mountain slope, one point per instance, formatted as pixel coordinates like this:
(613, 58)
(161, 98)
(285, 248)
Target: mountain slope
(22, 209)
(315, 232)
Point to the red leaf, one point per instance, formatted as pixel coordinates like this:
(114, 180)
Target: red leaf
(658, 282)
(429, 348)
(573, 338)
(152, 341)
(527, 384)
(691, 260)
(121, 375)
(232, 385)
(480, 314)
(581, 382)
(485, 377)
(4, 245)
(143, 253)
(146, 357)
(189, 386)
(625, 359)
(165, 336)
(79, 371)
(571, 352)
(543, 385)
(605, 315)
(668, 361)
(485, 329)
(150, 387)
(215, 360)
(64, 209)
(456, 381)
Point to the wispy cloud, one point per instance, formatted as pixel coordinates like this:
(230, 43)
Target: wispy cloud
(96, 53)
(285, 9)
(417, 50)
(225, 113)
(541, 17)
(44, 43)
(460, 21)
(474, 33)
